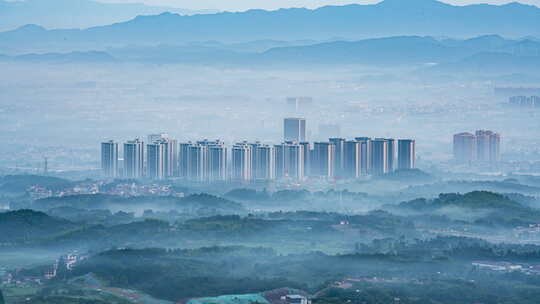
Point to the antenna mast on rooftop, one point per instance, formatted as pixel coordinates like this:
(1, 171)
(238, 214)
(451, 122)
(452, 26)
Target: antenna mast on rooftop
(45, 165)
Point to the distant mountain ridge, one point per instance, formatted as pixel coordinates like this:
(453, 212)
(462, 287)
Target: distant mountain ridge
(487, 53)
(76, 13)
(351, 22)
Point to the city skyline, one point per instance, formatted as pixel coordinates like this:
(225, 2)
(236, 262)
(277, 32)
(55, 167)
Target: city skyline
(210, 161)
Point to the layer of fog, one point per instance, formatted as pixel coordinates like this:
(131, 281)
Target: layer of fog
(64, 111)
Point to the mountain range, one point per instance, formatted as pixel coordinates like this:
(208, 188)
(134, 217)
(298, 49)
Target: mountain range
(490, 53)
(76, 13)
(350, 22)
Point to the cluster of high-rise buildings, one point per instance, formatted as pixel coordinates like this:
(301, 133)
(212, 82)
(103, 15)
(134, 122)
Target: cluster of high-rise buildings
(525, 101)
(483, 146)
(294, 159)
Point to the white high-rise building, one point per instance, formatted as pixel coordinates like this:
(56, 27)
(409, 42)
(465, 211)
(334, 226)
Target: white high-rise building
(155, 160)
(323, 159)
(352, 156)
(464, 147)
(379, 156)
(134, 159)
(109, 158)
(483, 146)
(197, 163)
(170, 151)
(289, 161)
(308, 157)
(170, 156)
(205, 161)
(183, 159)
(406, 154)
(487, 146)
(365, 154)
(391, 154)
(264, 163)
(338, 155)
(216, 163)
(294, 129)
(242, 161)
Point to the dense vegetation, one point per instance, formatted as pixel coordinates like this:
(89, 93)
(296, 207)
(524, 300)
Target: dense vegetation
(418, 251)
(479, 207)
(175, 274)
(200, 202)
(447, 291)
(24, 226)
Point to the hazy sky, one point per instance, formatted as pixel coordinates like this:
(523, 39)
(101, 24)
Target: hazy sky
(274, 4)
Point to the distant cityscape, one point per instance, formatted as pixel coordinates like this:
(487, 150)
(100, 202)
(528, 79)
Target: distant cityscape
(525, 101)
(294, 159)
(483, 146)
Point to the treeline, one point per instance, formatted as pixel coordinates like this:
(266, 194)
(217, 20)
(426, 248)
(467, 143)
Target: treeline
(451, 247)
(478, 207)
(211, 271)
(291, 195)
(179, 274)
(437, 290)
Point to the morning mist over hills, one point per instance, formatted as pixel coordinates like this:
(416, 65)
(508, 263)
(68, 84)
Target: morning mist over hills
(382, 153)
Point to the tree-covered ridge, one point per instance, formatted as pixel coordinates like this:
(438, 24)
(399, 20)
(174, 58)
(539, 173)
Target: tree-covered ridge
(472, 200)
(408, 175)
(291, 227)
(24, 226)
(105, 201)
(451, 247)
(476, 288)
(465, 186)
(179, 274)
(479, 207)
(210, 201)
(210, 271)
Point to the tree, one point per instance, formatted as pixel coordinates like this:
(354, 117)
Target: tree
(2, 298)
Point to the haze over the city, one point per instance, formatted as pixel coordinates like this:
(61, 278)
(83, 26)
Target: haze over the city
(269, 152)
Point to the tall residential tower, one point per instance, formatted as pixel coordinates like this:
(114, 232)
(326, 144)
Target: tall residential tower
(134, 159)
(109, 158)
(294, 129)
(406, 154)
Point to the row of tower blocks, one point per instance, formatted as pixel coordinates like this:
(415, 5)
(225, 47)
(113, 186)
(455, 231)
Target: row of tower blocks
(294, 159)
(483, 146)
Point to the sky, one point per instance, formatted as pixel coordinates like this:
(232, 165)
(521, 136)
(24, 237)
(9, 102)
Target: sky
(239, 5)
